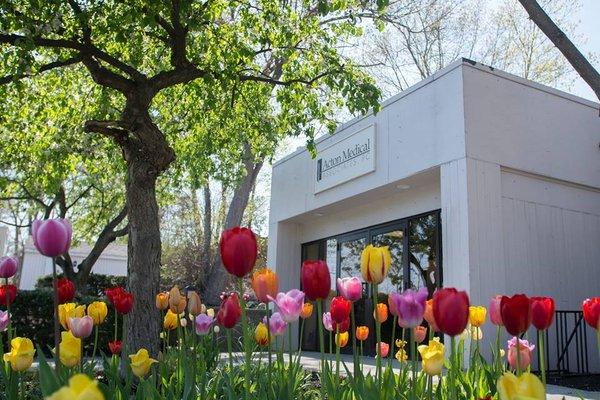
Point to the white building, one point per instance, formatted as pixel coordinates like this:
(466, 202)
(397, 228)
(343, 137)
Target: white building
(113, 261)
(476, 178)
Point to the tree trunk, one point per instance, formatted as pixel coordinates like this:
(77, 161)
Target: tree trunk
(144, 250)
(207, 224)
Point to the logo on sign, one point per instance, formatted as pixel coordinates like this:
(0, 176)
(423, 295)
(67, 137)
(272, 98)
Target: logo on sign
(346, 156)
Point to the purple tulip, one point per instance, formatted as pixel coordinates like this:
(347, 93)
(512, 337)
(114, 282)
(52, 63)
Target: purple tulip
(276, 324)
(289, 304)
(409, 307)
(203, 324)
(327, 321)
(8, 267)
(81, 327)
(52, 237)
(350, 288)
(4, 320)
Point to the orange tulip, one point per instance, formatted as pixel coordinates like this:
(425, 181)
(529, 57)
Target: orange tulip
(362, 332)
(341, 339)
(177, 302)
(429, 315)
(419, 333)
(162, 300)
(382, 312)
(307, 310)
(194, 303)
(265, 283)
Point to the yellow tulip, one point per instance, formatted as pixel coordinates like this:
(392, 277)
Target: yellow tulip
(21, 354)
(526, 387)
(70, 349)
(141, 363)
(341, 339)
(477, 315)
(98, 311)
(432, 356)
(307, 310)
(69, 310)
(170, 321)
(401, 355)
(375, 263)
(261, 334)
(80, 387)
(162, 300)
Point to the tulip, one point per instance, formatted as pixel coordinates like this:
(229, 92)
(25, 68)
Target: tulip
(194, 303)
(80, 387)
(289, 304)
(341, 339)
(428, 315)
(327, 322)
(162, 300)
(4, 320)
(261, 334)
(409, 307)
(203, 324)
(477, 316)
(7, 293)
(476, 333)
(316, 281)
(516, 313)
(375, 263)
(21, 354)
(170, 320)
(591, 312)
(121, 299)
(52, 237)
(115, 346)
(307, 310)
(451, 310)
(238, 250)
(341, 326)
(230, 312)
(69, 310)
(276, 324)
(70, 349)
(381, 313)
(525, 387)
(542, 312)
(81, 327)
(495, 315)
(383, 349)
(8, 267)
(401, 355)
(350, 288)
(419, 333)
(339, 309)
(65, 290)
(432, 356)
(264, 283)
(362, 333)
(141, 363)
(525, 350)
(177, 302)
(97, 311)
(183, 322)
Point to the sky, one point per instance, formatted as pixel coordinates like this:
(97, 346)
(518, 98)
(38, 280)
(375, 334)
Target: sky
(588, 27)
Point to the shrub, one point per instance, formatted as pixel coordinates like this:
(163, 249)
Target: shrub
(95, 285)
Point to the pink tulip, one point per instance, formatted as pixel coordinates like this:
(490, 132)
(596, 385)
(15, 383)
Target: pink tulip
(4, 320)
(8, 267)
(350, 288)
(525, 350)
(383, 349)
(409, 307)
(276, 324)
(203, 324)
(327, 321)
(419, 333)
(81, 327)
(52, 237)
(494, 309)
(290, 304)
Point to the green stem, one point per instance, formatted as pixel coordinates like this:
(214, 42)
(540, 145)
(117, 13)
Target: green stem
(497, 361)
(518, 356)
(247, 348)
(270, 369)
(354, 352)
(321, 342)
(378, 336)
(453, 366)
(290, 362)
(337, 357)
(541, 339)
(414, 357)
(95, 346)
(56, 319)
(430, 387)
(393, 340)
(230, 353)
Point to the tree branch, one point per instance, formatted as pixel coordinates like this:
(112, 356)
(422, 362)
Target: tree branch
(583, 67)
(112, 129)
(43, 68)
(288, 82)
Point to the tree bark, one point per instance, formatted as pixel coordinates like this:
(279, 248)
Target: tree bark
(577, 60)
(207, 228)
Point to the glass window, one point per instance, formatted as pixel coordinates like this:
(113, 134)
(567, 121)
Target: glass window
(394, 239)
(423, 239)
(331, 260)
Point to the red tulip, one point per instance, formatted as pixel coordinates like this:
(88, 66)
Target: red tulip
(230, 312)
(343, 326)
(115, 346)
(66, 290)
(238, 250)
(340, 309)
(51, 237)
(591, 312)
(516, 313)
(451, 310)
(121, 299)
(7, 292)
(316, 281)
(542, 312)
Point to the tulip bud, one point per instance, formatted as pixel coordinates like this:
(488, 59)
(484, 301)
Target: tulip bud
(162, 300)
(174, 297)
(81, 327)
(8, 267)
(239, 250)
(194, 304)
(51, 237)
